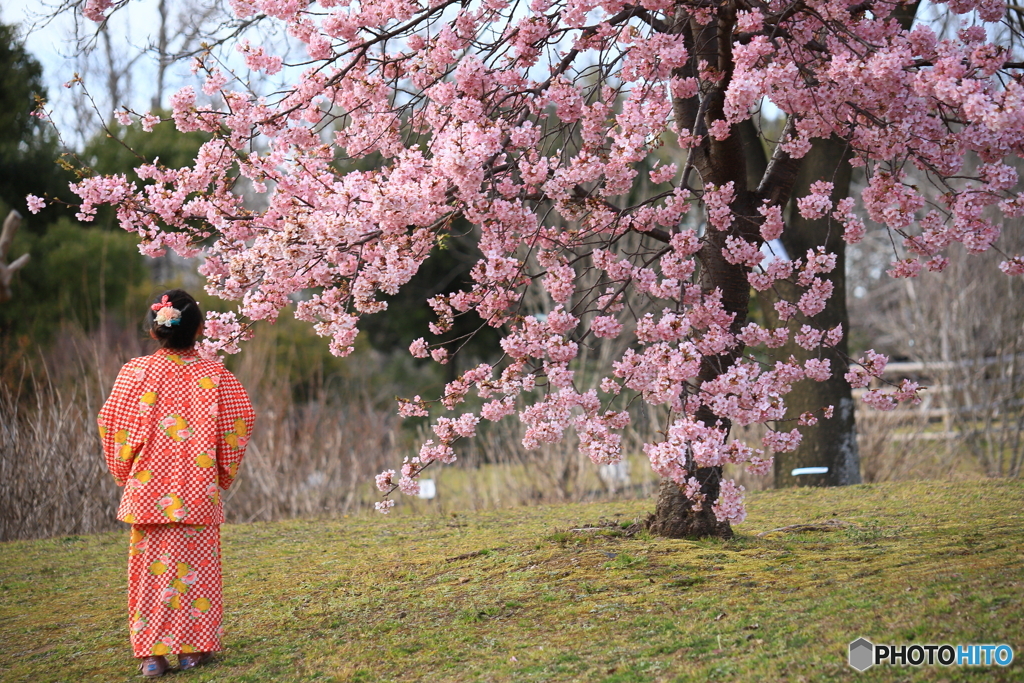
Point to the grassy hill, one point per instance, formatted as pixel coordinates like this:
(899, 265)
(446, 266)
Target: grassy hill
(525, 595)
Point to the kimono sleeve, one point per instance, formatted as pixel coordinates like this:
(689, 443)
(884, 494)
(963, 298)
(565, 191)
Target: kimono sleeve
(116, 419)
(234, 425)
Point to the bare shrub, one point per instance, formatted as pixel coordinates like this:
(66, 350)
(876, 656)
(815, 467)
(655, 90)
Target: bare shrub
(311, 459)
(52, 481)
(961, 334)
(553, 473)
(305, 459)
(900, 446)
(969, 329)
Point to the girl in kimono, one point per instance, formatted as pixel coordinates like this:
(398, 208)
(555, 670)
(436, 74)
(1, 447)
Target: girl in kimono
(174, 431)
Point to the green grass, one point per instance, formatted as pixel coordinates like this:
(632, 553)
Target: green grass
(516, 595)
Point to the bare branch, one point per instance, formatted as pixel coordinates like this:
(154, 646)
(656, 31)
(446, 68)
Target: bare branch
(11, 225)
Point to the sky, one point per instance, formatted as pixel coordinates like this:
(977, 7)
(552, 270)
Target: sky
(46, 43)
(51, 42)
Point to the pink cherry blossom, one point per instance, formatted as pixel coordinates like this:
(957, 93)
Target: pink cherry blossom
(35, 204)
(1015, 266)
(384, 480)
(818, 369)
(606, 326)
(729, 505)
(419, 348)
(149, 121)
(94, 9)
(409, 486)
(818, 202)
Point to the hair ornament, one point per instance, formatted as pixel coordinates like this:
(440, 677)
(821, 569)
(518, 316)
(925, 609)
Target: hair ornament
(166, 314)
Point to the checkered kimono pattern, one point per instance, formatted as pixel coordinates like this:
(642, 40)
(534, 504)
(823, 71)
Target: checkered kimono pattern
(174, 589)
(174, 431)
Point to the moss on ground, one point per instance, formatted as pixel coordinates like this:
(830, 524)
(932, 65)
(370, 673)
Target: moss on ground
(523, 595)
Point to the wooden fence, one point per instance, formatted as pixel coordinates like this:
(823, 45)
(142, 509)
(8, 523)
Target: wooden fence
(954, 393)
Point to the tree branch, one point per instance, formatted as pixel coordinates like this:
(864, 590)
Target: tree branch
(11, 225)
(777, 183)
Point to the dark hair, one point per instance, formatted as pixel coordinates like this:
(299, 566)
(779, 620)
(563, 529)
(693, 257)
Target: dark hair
(183, 334)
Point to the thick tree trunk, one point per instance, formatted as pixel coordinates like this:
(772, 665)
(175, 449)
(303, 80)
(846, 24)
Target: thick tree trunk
(674, 516)
(738, 159)
(830, 443)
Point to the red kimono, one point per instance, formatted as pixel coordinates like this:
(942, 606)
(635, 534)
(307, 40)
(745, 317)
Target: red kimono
(174, 431)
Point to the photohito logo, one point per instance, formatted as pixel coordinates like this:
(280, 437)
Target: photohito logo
(865, 654)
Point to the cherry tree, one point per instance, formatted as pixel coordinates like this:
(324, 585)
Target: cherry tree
(538, 125)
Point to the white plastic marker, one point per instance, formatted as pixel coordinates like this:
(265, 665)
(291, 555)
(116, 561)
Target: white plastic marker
(808, 470)
(427, 489)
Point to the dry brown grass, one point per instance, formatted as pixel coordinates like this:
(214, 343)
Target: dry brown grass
(317, 457)
(310, 458)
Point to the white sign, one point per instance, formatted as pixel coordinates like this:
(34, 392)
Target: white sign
(808, 470)
(427, 489)
(615, 475)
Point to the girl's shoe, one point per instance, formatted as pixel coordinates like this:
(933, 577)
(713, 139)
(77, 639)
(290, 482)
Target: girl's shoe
(152, 667)
(192, 660)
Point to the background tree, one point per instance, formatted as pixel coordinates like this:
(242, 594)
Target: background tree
(69, 276)
(962, 333)
(830, 443)
(79, 274)
(28, 146)
(133, 63)
(535, 124)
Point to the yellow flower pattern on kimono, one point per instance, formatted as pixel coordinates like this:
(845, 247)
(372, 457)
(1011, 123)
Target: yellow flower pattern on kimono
(180, 583)
(137, 624)
(124, 450)
(176, 427)
(147, 401)
(174, 590)
(139, 543)
(159, 568)
(204, 460)
(165, 645)
(185, 578)
(172, 507)
(208, 382)
(201, 605)
(138, 480)
(238, 437)
(213, 492)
